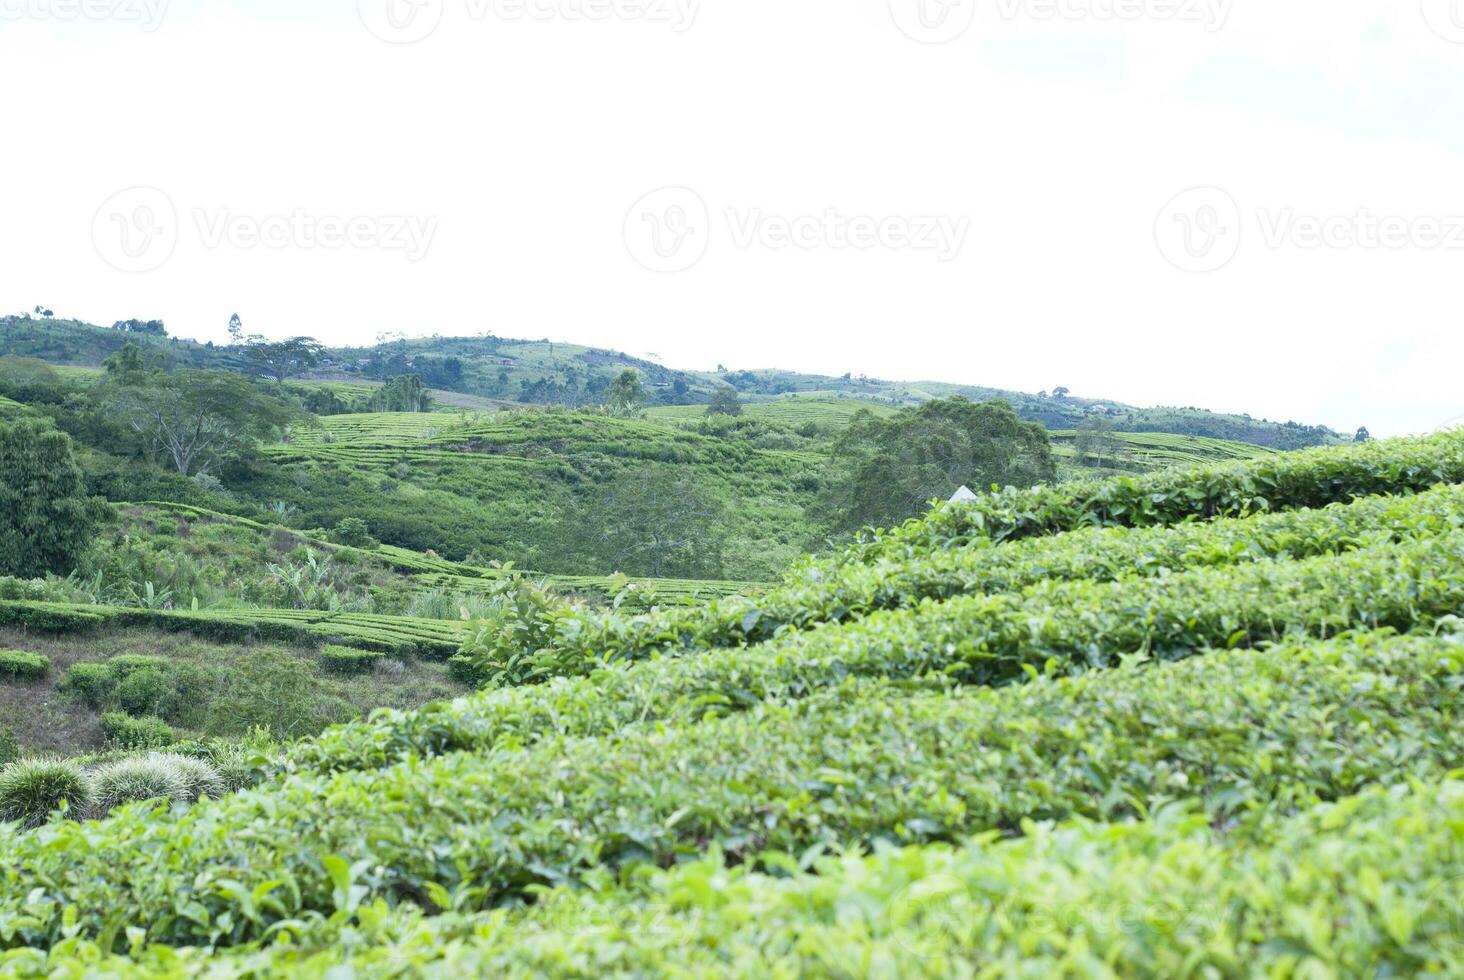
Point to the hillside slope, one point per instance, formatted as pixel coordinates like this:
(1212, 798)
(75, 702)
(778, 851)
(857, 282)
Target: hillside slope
(1104, 691)
(544, 372)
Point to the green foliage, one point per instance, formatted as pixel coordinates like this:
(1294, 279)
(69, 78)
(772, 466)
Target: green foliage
(9, 746)
(31, 790)
(884, 470)
(140, 692)
(1364, 886)
(126, 732)
(404, 393)
(725, 402)
(650, 522)
(92, 683)
(18, 665)
(198, 777)
(346, 660)
(863, 763)
(275, 691)
(1313, 478)
(46, 519)
(354, 533)
(627, 395)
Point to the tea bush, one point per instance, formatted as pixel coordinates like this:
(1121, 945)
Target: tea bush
(126, 732)
(345, 660)
(18, 665)
(1247, 736)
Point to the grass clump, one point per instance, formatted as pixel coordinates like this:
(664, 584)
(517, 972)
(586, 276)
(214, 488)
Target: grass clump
(17, 665)
(134, 780)
(32, 789)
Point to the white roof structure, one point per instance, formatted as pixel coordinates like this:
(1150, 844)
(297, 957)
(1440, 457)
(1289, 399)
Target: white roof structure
(963, 495)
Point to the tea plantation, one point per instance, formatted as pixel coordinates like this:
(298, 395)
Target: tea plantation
(1199, 722)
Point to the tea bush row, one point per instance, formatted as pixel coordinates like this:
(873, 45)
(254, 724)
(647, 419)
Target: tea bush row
(817, 592)
(1247, 735)
(1365, 886)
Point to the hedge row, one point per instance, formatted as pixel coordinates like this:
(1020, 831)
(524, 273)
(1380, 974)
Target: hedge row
(817, 593)
(1247, 735)
(972, 640)
(1366, 886)
(990, 639)
(1307, 479)
(434, 639)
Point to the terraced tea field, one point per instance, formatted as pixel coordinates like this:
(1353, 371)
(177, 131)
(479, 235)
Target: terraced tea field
(1196, 722)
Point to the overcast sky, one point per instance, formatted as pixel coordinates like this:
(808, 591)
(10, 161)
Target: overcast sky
(1247, 205)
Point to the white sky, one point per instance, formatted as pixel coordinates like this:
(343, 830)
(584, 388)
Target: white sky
(1054, 132)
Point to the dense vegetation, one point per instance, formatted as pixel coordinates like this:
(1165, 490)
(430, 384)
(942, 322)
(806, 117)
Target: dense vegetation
(1206, 718)
(290, 702)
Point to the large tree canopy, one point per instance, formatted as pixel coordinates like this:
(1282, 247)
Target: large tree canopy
(193, 420)
(884, 470)
(46, 519)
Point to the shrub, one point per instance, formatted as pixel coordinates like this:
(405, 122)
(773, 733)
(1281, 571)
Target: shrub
(346, 660)
(92, 683)
(134, 780)
(126, 732)
(17, 665)
(354, 533)
(31, 789)
(131, 663)
(140, 691)
(198, 778)
(9, 747)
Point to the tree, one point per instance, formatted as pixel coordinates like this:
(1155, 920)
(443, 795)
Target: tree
(404, 393)
(236, 330)
(1362, 435)
(1060, 392)
(725, 402)
(152, 328)
(627, 394)
(193, 420)
(284, 359)
(46, 519)
(127, 366)
(1095, 440)
(884, 470)
(649, 521)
